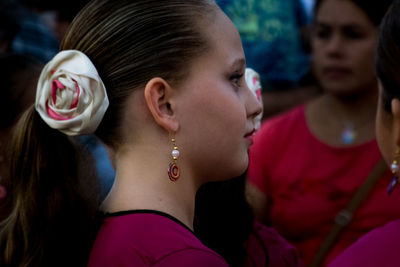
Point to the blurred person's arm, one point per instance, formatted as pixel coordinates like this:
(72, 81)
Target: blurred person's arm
(258, 201)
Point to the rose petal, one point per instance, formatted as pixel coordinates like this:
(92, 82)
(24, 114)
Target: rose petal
(78, 91)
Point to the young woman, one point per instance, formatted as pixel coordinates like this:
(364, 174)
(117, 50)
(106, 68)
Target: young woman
(380, 246)
(160, 83)
(307, 164)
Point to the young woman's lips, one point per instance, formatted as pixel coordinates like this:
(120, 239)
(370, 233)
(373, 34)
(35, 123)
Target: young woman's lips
(336, 72)
(249, 136)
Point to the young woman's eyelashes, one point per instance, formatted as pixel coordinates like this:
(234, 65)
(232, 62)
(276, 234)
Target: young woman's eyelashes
(237, 79)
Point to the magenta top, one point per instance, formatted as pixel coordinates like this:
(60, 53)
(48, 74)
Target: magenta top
(149, 238)
(380, 247)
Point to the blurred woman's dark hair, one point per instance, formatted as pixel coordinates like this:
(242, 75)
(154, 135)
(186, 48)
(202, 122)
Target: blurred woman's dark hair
(374, 9)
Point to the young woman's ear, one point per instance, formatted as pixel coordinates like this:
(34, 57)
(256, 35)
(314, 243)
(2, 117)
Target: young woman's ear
(396, 120)
(158, 94)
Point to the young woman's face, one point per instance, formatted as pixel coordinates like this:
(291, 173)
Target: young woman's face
(343, 43)
(216, 109)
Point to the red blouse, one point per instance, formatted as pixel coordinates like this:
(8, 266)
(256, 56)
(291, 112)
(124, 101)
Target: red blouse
(308, 182)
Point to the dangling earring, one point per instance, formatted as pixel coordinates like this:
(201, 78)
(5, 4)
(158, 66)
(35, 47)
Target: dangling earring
(173, 170)
(394, 168)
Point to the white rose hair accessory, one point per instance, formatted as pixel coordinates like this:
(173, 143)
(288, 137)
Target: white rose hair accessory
(70, 95)
(253, 82)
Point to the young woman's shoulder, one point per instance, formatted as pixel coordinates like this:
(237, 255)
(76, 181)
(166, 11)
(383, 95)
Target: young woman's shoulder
(193, 257)
(149, 238)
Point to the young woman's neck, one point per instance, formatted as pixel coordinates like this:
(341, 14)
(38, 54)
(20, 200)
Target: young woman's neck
(142, 182)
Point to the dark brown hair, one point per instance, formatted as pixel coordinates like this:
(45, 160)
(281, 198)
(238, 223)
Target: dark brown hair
(129, 42)
(388, 56)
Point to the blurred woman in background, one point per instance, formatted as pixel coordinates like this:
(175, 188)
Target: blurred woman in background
(306, 164)
(380, 246)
